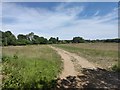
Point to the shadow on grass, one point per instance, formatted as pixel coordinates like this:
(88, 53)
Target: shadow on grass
(92, 79)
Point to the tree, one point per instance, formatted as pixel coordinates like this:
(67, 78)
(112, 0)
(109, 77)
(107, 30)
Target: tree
(43, 40)
(39, 40)
(78, 40)
(57, 39)
(36, 39)
(8, 38)
(53, 40)
(23, 40)
(1, 39)
(21, 36)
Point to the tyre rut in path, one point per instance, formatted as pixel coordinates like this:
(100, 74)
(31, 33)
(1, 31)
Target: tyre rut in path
(69, 68)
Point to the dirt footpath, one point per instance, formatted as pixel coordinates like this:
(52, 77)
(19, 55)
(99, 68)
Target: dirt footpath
(68, 66)
(69, 61)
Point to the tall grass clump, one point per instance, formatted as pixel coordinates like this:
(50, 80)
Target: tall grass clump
(36, 67)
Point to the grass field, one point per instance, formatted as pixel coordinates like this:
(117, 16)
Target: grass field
(102, 54)
(37, 66)
(30, 66)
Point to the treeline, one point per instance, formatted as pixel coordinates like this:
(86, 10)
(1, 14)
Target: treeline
(116, 40)
(8, 38)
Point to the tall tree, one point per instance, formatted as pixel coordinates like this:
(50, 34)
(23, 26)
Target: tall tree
(1, 39)
(9, 38)
(53, 40)
(57, 39)
(36, 39)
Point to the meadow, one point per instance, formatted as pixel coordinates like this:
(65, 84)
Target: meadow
(38, 66)
(34, 66)
(104, 55)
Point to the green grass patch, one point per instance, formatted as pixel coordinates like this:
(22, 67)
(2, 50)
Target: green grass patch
(36, 68)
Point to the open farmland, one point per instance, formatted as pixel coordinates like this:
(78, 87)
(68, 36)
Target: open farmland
(93, 65)
(30, 66)
(104, 55)
(60, 66)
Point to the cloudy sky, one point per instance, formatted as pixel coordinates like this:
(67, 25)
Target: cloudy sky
(90, 20)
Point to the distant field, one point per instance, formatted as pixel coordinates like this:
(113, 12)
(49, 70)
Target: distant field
(102, 54)
(30, 66)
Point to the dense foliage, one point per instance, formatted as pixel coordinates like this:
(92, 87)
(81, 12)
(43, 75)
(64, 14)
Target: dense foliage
(78, 40)
(7, 38)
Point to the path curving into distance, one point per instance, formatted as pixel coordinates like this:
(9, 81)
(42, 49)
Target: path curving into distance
(69, 67)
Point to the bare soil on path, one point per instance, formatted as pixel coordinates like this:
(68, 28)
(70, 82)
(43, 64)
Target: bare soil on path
(68, 66)
(69, 60)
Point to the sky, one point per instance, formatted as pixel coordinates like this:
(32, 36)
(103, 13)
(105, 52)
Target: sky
(90, 20)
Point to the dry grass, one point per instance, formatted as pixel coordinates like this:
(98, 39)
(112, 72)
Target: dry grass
(97, 46)
(102, 54)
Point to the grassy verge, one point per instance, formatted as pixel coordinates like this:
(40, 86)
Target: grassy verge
(102, 54)
(30, 67)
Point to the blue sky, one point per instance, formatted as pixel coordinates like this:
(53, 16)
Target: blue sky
(91, 20)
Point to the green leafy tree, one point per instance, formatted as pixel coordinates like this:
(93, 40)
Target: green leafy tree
(23, 40)
(43, 40)
(53, 40)
(39, 40)
(8, 38)
(21, 36)
(78, 40)
(36, 39)
(1, 40)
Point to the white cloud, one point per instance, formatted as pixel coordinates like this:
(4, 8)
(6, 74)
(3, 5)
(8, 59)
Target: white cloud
(63, 8)
(62, 21)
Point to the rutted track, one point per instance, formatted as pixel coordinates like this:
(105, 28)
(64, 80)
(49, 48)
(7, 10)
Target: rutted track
(68, 64)
(69, 67)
